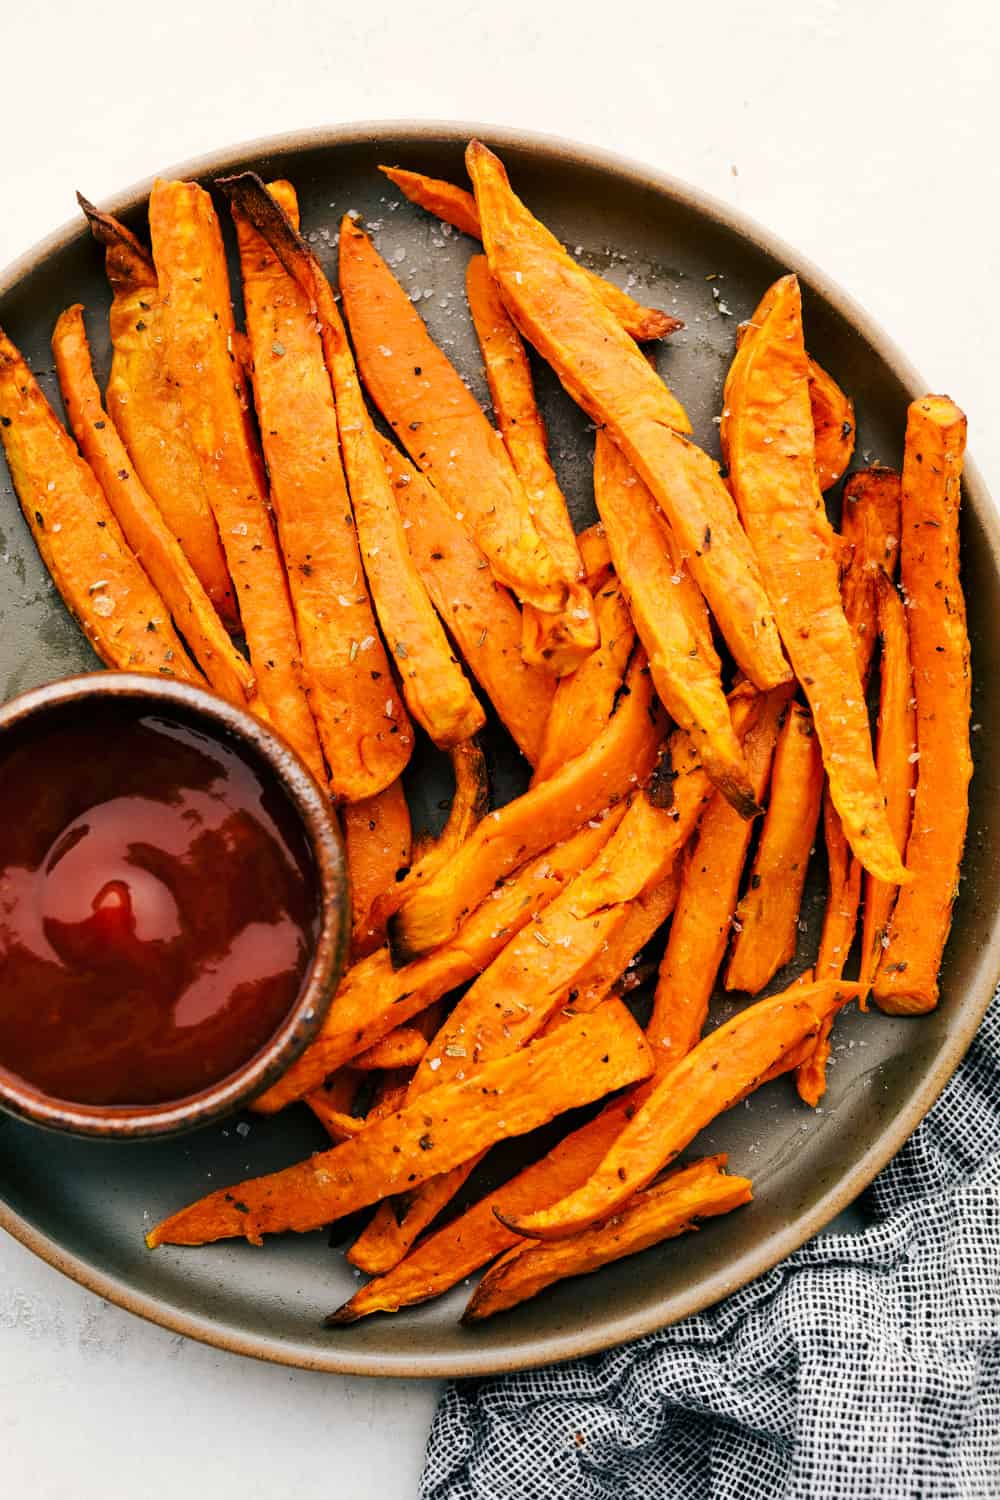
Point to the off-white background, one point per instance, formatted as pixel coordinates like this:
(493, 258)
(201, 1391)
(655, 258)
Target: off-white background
(865, 132)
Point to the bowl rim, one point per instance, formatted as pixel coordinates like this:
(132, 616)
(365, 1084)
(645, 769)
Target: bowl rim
(186, 703)
(541, 1349)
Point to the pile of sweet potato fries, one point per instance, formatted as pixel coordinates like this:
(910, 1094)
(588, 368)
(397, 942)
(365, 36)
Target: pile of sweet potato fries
(699, 657)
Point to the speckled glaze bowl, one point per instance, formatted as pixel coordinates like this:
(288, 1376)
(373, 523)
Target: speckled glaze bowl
(84, 1206)
(61, 702)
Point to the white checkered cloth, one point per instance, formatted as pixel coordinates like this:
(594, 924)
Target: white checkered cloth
(866, 1365)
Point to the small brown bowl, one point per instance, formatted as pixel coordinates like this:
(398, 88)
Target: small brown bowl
(264, 750)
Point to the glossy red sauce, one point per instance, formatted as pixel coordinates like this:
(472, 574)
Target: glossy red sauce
(157, 909)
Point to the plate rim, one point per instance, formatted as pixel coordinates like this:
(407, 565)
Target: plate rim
(553, 1348)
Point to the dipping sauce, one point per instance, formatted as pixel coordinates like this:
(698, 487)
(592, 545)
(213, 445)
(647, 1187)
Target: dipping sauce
(158, 909)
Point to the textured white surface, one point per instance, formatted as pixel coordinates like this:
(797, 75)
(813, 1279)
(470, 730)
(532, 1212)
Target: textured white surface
(863, 131)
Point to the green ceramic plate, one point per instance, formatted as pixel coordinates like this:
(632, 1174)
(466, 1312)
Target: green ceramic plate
(84, 1205)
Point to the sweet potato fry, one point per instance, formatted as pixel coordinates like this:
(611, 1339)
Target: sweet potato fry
(768, 438)
(596, 554)
(721, 1070)
(373, 998)
(618, 760)
(469, 806)
(145, 406)
(611, 968)
(104, 588)
(859, 569)
(836, 940)
(508, 375)
(331, 1104)
(436, 416)
(843, 898)
(445, 200)
(871, 505)
(378, 839)
(767, 917)
(897, 767)
(669, 616)
(457, 207)
(833, 425)
(555, 308)
(583, 1061)
(907, 979)
(198, 325)
(343, 657)
(660, 1212)
(584, 701)
(873, 495)
(402, 1048)
(147, 533)
(834, 430)
(479, 613)
(434, 686)
(706, 902)
(870, 532)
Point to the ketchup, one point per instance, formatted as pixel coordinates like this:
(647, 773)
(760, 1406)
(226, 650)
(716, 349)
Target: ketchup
(158, 907)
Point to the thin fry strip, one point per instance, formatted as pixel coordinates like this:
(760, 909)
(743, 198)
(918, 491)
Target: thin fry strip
(596, 553)
(767, 917)
(717, 1073)
(469, 805)
(343, 656)
(668, 612)
(479, 613)
(834, 429)
(332, 1103)
(871, 542)
(508, 375)
(145, 407)
(80, 542)
(198, 327)
(873, 494)
(907, 979)
(841, 915)
(555, 308)
(457, 207)
(768, 438)
(897, 764)
(706, 903)
(583, 1061)
(836, 939)
(378, 839)
(436, 416)
(373, 998)
(611, 968)
(155, 547)
(660, 1212)
(833, 425)
(402, 1048)
(381, 1233)
(618, 760)
(584, 700)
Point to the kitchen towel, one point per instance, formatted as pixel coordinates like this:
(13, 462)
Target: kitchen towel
(865, 1365)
